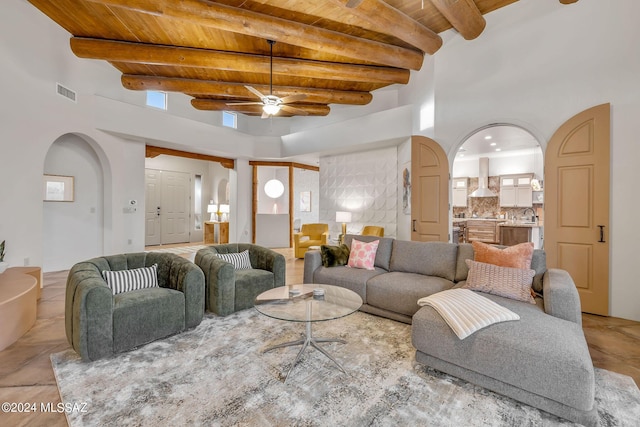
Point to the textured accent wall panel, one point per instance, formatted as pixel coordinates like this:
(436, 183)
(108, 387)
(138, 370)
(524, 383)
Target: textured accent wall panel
(365, 184)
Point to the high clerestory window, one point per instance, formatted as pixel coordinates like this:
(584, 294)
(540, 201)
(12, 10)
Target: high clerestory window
(229, 119)
(157, 99)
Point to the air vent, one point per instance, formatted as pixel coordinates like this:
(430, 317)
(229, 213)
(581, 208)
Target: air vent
(66, 92)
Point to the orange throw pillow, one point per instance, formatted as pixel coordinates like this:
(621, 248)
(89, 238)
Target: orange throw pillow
(518, 256)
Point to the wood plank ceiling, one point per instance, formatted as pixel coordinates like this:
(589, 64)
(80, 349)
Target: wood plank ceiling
(332, 51)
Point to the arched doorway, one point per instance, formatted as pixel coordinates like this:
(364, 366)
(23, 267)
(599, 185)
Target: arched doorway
(497, 175)
(74, 230)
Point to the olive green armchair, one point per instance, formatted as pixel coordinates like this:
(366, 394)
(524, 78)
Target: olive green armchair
(228, 289)
(100, 324)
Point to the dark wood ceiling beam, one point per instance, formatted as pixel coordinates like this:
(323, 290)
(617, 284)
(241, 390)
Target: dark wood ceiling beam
(238, 91)
(222, 105)
(255, 24)
(139, 53)
(568, 1)
(464, 15)
(153, 151)
(386, 19)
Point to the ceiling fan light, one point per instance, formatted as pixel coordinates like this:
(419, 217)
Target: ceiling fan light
(271, 109)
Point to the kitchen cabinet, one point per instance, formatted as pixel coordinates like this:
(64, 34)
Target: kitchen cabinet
(510, 236)
(516, 191)
(459, 197)
(514, 234)
(482, 231)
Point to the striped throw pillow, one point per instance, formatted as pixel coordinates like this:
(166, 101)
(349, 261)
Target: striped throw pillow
(239, 260)
(508, 282)
(131, 280)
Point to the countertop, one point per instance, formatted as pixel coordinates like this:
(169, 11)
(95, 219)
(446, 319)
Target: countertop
(502, 222)
(522, 225)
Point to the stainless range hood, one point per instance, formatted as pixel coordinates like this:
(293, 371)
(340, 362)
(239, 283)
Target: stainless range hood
(483, 180)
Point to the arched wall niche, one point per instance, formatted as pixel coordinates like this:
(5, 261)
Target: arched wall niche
(75, 231)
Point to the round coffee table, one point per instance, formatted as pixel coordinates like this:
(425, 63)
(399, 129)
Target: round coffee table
(296, 303)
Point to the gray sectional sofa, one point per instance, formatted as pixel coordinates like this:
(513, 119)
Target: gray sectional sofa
(541, 360)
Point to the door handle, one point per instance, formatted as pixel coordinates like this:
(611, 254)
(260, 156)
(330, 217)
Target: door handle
(601, 234)
(413, 226)
(158, 211)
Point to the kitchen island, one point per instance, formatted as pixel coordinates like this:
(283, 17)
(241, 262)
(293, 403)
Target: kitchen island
(499, 231)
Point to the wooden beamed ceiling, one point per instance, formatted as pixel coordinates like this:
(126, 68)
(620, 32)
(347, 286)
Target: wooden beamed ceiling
(325, 49)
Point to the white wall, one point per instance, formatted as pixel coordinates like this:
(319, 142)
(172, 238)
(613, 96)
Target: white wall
(306, 180)
(365, 184)
(73, 231)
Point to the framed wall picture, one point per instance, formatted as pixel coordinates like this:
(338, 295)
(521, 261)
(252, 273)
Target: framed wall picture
(305, 201)
(57, 188)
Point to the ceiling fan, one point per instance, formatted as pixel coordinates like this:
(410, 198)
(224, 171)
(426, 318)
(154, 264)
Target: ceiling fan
(271, 104)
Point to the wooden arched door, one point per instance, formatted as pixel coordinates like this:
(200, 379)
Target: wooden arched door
(576, 185)
(429, 191)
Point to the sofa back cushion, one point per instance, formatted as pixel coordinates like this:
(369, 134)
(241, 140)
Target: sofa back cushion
(385, 245)
(538, 263)
(428, 258)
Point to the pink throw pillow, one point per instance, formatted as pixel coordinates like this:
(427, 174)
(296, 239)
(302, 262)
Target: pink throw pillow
(363, 255)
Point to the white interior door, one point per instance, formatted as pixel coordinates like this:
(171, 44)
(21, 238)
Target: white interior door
(175, 208)
(153, 200)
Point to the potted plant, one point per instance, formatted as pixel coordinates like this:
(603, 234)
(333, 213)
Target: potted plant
(3, 265)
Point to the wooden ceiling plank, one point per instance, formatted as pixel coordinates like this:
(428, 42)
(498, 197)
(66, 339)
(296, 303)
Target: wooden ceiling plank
(267, 27)
(153, 151)
(238, 91)
(464, 15)
(222, 105)
(139, 53)
(386, 19)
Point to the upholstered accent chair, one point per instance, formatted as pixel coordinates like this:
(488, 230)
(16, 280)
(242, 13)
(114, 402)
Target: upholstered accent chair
(372, 230)
(100, 324)
(309, 235)
(229, 289)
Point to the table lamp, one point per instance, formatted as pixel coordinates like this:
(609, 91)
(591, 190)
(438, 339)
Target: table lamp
(224, 210)
(212, 209)
(344, 218)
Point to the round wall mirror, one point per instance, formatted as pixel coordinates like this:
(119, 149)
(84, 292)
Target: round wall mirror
(274, 188)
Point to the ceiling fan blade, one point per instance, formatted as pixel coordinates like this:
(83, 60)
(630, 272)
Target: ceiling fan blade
(255, 91)
(353, 3)
(293, 98)
(245, 103)
(265, 115)
(293, 110)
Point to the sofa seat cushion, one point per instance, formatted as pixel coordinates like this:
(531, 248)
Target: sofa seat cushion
(354, 279)
(539, 353)
(145, 315)
(400, 292)
(250, 284)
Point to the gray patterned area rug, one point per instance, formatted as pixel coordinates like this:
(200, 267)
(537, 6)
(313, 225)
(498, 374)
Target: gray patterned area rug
(217, 375)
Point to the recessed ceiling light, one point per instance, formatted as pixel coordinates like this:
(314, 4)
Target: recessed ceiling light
(493, 144)
(498, 149)
(488, 137)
